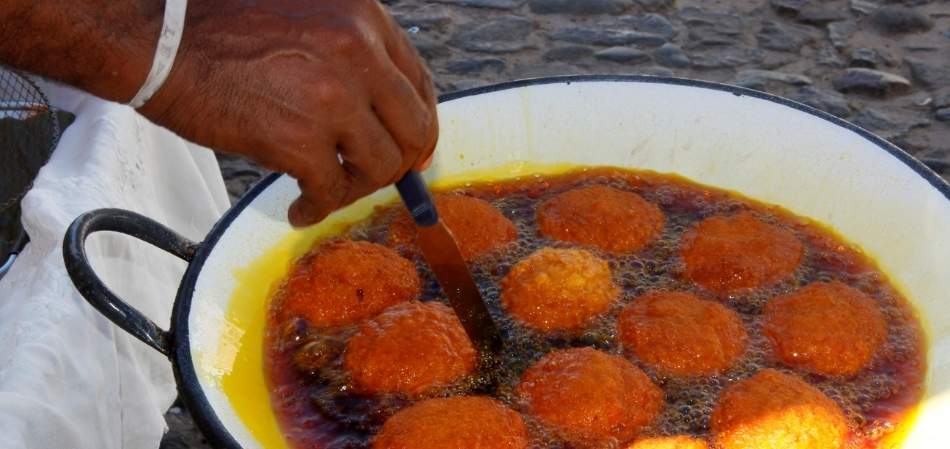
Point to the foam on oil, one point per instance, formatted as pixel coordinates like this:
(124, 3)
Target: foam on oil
(322, 403)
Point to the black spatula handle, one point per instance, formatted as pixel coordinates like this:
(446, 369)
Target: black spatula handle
(417, 199)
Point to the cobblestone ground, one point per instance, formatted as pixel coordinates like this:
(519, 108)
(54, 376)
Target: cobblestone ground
(882, 65)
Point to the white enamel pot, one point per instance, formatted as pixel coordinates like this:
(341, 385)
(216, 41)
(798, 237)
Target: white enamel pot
(768, 148)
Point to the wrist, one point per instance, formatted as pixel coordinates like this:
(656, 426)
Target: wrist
(122, 73)
(188, 69)
(127, 66)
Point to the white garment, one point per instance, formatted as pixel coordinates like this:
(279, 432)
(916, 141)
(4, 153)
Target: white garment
(69, 378)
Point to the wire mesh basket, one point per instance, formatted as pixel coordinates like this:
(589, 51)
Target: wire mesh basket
(29, 131)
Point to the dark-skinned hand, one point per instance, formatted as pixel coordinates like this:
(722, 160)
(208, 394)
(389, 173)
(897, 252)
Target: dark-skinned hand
(329, 91)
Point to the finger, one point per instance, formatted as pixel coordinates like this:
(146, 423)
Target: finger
(324, 183)
(370, 154)
(425, 157)
(408, 119)
(368, 159)
(406, 58)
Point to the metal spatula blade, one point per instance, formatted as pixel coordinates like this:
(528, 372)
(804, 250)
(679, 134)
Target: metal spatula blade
(442, 253)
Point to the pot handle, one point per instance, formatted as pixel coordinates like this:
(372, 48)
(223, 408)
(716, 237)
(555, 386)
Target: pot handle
(92, 288)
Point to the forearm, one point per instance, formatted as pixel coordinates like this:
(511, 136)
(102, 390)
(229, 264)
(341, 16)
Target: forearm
(104, 47)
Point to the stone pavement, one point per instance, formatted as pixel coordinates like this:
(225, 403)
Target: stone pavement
(884, 65)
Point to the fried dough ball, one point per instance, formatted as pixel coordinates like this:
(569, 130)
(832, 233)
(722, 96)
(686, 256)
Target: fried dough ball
(607, 218)
(680, 334)
(478, 227)
(825, 327)
(558, 289)
(673, 442)
(729, 254)
(773, 410)
(342, 282)
(589, 395)
(410, 348)
(454, 423)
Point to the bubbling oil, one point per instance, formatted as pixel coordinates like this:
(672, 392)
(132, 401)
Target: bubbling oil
(317, 407)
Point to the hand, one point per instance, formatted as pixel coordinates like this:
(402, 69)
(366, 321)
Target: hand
(328, 91)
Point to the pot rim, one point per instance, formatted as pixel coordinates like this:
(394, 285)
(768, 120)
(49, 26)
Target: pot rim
(186, 378)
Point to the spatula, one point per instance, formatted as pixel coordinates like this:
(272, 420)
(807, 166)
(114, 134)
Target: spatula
(441, 252)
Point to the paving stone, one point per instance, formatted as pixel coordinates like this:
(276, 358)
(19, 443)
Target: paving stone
(465, 84)
(183, 433)
(840, 33)
(829, 56)
(239, 175)
(940, 166)
(429, 47)
(942, 115)
(570, 53)
(654, 5)
(917, 141)
(670, 55)
(920, 99)
(502, 35)
(888, 58)
(783, 37)
(708, 28)
(475, 66)
(868, 81)
(928, 72)
(623, 54)
(606, 37)
(937, 165)
(654, 71)
(427, 19)
(865, 57)
(649, 23)
(774, 60)
(724, 57)
(553, 68)
(576, 7)
(788, 6)
(826, 100)
(890, 124)
(895, 19)
(821, 14)
(763, 79)
(938, 159)
(921, 47)
(863, 6)
(941, 98)
(491, 4)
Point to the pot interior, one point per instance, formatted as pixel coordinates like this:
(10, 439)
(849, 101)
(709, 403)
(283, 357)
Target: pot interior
(766, 148)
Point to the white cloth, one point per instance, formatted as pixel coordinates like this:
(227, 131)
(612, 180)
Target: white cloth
(70, 379)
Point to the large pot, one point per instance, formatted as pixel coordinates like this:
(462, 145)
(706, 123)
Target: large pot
(766, 147)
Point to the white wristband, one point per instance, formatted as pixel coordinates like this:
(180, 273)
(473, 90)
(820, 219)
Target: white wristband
(172, 28)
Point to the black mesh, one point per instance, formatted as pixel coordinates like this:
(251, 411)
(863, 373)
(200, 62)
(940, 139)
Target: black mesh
(29, 131)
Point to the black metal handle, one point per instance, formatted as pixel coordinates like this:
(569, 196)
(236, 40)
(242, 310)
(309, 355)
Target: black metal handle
(92, 288)
(415, 195)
